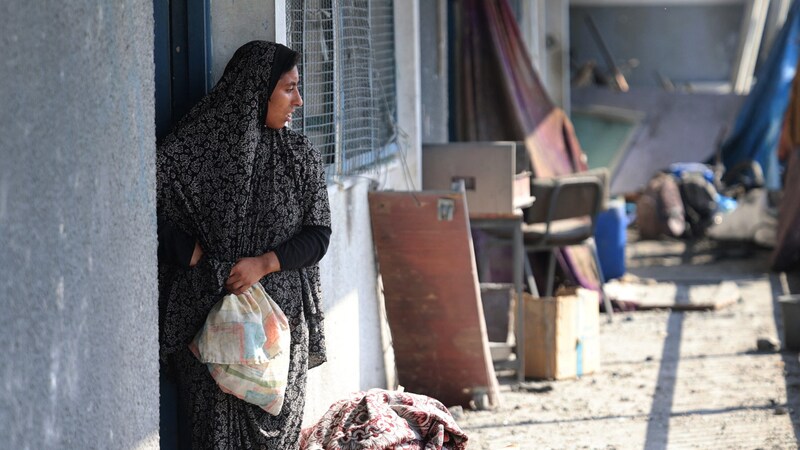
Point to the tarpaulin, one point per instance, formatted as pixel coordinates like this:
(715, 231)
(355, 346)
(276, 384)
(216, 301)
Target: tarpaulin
(758, 125)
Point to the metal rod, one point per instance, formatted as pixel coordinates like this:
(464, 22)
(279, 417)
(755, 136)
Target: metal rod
(619, 78)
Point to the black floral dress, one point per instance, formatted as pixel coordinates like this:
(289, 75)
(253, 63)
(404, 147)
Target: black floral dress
(241, 189)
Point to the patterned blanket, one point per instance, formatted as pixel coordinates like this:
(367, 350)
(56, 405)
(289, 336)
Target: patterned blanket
(379, 419)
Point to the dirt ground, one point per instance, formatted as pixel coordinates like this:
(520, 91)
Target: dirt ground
(668, 379)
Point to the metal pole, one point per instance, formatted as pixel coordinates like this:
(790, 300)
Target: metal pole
(338, 113)
(619, 78)
(518, 254)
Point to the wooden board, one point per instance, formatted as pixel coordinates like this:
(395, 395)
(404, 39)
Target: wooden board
(432, 296)
(675, 295)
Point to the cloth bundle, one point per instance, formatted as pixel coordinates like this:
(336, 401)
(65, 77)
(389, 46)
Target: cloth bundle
(245, 342)
(381, 420)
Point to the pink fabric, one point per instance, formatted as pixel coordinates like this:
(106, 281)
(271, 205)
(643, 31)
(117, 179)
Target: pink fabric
(380, 419)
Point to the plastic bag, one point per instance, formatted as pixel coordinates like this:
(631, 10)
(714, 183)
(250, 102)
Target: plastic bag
(245, 342)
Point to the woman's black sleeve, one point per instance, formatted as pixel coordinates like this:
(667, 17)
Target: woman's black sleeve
(306, 248)
(174, 246)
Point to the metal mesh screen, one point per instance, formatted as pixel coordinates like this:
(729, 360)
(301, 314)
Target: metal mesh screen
(383, 71)
(348, 79)
(310, 32)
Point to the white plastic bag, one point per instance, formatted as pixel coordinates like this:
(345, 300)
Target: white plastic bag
(245, 342)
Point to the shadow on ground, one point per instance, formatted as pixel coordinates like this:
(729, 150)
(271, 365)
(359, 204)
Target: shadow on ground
(706, 253)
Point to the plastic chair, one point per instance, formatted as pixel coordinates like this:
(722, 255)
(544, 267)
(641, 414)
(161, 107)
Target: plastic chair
(565, 213)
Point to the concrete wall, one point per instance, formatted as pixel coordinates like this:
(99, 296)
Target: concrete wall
(78, 329)
(237, 22)
(533, 24)
(544, 25)
(683, 42)
(352, 326)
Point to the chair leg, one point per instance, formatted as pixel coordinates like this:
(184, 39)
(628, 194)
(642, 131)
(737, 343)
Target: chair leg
(484, 269)
(602, 280)
(529, 276)
(551, 274)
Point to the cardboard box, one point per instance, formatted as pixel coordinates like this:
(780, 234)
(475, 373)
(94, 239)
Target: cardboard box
(562, 334)
(492, 180)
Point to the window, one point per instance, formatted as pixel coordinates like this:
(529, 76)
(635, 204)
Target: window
(347, 79)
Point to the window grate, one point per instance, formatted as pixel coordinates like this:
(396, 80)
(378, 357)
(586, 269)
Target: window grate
(347, 79)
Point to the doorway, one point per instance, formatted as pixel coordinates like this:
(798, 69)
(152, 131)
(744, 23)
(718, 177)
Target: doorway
(182, 59)
(182, 77)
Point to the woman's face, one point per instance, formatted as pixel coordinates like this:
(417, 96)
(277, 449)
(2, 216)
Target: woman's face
(285, 98)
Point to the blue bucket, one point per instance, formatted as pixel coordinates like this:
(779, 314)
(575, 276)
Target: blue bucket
(611, 238)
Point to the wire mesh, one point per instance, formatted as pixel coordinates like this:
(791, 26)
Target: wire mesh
(310, 32)
(384, 76)
(348, 79)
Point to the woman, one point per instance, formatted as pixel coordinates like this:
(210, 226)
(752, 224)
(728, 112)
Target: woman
(241, 199)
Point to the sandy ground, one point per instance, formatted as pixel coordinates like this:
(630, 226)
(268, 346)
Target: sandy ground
(668, 379)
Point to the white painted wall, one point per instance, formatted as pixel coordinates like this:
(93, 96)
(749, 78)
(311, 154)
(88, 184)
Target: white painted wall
(237, 22)
(360, 356)
(352, 325)
(409, 90)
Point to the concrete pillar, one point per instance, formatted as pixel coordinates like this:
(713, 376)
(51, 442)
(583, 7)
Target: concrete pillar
(434, 71)
(78, 288)
(409, 90)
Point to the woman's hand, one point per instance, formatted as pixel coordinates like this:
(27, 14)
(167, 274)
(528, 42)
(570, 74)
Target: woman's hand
(247, 271)
(196, 254)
